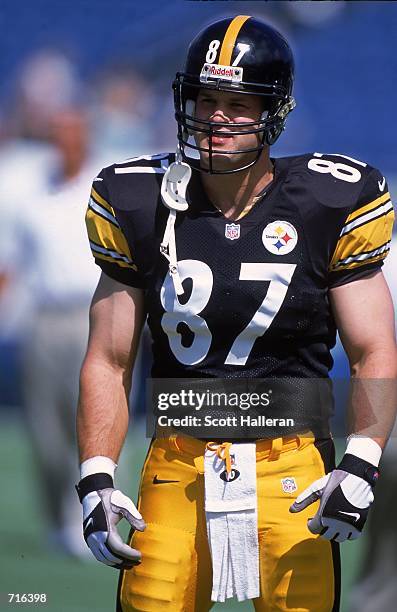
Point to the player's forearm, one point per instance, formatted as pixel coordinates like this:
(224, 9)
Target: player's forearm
(373, 399)
(102, 417)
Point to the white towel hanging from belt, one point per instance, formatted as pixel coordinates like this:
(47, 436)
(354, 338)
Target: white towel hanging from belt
(231, 509)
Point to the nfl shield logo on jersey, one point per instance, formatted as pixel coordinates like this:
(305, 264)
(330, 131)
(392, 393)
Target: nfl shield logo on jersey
(289, 485)
(232, 231)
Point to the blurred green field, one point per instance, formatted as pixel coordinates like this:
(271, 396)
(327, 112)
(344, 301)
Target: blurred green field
(28, 566)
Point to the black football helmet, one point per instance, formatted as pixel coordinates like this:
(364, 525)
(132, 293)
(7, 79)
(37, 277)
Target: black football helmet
(242, 55)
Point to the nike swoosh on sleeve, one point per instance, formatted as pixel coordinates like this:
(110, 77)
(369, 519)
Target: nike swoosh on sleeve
(89, 522)
(355, 515)
(381, 184)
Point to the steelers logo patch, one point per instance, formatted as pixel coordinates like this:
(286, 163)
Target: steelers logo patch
(279, 237)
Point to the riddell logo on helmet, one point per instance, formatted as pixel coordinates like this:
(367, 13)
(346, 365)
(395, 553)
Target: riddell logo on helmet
(218, 71)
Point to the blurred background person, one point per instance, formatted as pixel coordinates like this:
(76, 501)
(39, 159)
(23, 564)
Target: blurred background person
(58, 279)
(46, 267)
(46, 84)
(121, 112)
(49, 278)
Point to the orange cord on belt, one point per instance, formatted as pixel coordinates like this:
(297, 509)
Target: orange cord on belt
(223, 452)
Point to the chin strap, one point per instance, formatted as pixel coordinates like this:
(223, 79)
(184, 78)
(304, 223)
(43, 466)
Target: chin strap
(173, 195)
(168, 249)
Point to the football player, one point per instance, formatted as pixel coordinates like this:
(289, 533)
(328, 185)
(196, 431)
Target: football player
(244, 267)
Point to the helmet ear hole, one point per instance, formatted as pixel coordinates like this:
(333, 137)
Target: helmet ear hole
(272, 133)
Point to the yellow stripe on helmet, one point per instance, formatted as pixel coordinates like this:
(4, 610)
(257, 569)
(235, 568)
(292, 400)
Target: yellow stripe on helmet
(230, 39)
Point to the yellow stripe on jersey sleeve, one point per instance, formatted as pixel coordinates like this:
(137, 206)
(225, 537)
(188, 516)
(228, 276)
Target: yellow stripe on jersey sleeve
(364, 244)
(101, 200)
(364, 262)
(367, 207)
(107, 240)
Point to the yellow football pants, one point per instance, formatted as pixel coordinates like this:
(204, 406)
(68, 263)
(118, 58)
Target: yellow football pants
(299, 571)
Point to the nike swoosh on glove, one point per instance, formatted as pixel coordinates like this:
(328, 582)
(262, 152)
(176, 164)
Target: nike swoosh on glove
(103, 508)
(346, 494)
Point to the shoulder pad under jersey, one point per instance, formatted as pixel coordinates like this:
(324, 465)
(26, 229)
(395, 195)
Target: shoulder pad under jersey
(136, 182)
(334, 180)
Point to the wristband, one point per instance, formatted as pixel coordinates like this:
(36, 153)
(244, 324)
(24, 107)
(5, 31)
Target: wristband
(364, 448)
(359, 467)
(94, 482)
(97, 465)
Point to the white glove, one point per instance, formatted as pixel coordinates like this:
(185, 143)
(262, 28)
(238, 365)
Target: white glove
(346, 494)
(103, 508)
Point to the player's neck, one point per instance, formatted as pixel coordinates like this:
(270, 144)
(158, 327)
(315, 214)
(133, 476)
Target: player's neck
(234, 194)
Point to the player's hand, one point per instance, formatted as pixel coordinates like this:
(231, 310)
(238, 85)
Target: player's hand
(346, 494)
(103, 508)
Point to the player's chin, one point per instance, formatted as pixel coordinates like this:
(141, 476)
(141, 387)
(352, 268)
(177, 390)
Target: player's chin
(219, 161)
(222, 162)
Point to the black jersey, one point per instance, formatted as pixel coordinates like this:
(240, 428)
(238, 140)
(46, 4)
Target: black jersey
(255, 301)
